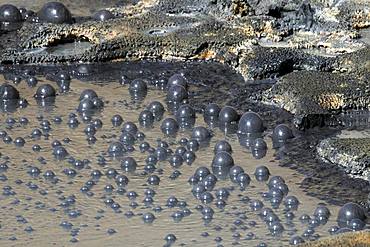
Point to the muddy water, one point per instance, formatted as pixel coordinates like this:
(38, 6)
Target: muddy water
(41, 206)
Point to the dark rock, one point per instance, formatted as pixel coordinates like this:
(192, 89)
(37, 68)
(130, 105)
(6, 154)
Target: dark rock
(352, 154)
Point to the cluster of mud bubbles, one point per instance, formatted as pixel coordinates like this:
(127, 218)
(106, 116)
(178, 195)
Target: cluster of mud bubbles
(51, 12)
(128, 160)
(11, 17)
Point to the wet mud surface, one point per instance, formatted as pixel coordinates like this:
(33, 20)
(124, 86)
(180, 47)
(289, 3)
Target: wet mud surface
(303, 64)
(37, 207)
(208, 86)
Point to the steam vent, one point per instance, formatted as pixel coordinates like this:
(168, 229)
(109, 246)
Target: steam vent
(185, 123)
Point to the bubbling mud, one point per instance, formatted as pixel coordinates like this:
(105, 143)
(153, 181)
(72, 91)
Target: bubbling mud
(84, 168)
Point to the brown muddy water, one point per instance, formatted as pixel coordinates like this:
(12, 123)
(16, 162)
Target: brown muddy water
(38, 203)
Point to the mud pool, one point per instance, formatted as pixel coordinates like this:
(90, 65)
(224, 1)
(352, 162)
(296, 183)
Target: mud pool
(37, 211)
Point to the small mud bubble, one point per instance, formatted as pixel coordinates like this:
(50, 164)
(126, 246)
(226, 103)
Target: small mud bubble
(117, 120)
(88, 94)
(23, 121)
(228, 115)
(103, 15)
(127, 139)
(97, 123)
(111, 231)
(86, 106)
(177, 216)
(172, 202)
(176, 160)
(333, 229)
(16, 79)
(185, 113)
(64, 86)
(9, 13)
(177, 79)
(62, 76)
(189, 157)
(161, 153)
(23, 103)
(258, 144)
(322, 210)
(211, 112)
(193, 180)
(177, 94)
(262, 171)
(234, 172)
(83, 70)
(55, 12)
(282, 133)
(128, 164)
(45, 91)
(138, 86)
(349, 212)
(193, 145)
(250, 123)
(123, 80)
(60, 152)
(19, 141)
(157, 109)
(243, 179)
(146, 118)
(201, 134)
(296, 240)
(153, 180)
(169, 126)
(121, 180)
(201, 173)
(90, 130)
(148, 218)
(49, 174)
(170, 238)
(291, 202)
(222, 193)
(222, 146)
(180, 150)
(356, 224)
(275, 180)
(8, 92)
(116, 149)
(31, 81)
(129, 127)
(256, 205)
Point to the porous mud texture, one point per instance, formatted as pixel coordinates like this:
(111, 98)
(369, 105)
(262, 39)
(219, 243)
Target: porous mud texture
(314, 96)
(349, 239)
(144, 30)
(205, 29)
(353, 154)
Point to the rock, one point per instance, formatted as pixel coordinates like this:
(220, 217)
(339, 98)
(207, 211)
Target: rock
(143, 29)
(352, 154)
(149, 35)
(314, 96)
(349, 239)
